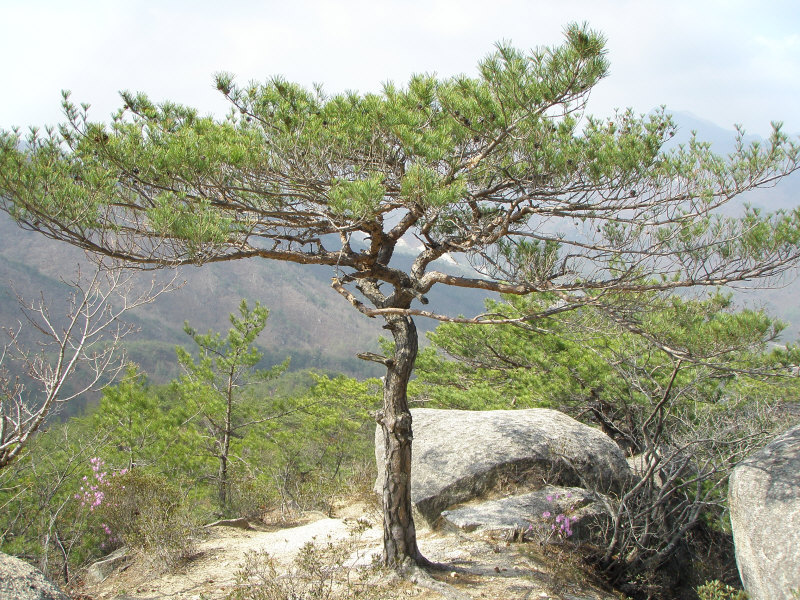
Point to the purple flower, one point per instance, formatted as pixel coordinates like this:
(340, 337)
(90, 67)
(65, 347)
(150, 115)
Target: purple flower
(546, 514)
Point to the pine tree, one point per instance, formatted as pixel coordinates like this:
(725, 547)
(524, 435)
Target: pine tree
(503, 168)
(213, 383)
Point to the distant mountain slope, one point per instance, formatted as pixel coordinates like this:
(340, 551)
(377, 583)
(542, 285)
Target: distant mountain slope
(308, 320)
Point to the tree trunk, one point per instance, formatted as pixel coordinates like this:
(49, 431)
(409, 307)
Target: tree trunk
(399, 534)
(226, 444)
(222, 481)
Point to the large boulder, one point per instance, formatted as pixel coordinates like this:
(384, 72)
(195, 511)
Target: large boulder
(21, 581)
(764, 497)
(459, 455)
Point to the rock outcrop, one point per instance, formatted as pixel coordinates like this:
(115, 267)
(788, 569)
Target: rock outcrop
(21, 581)
(538, 515)
(101, 569)
(764, 496)
(460, 455)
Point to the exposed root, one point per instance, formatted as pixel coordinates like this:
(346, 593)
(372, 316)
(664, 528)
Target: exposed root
(418, 574)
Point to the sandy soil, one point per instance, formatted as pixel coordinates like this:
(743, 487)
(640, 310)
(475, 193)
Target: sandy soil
(474, 567)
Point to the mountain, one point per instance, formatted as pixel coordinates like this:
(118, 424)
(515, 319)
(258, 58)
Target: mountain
(308, 320)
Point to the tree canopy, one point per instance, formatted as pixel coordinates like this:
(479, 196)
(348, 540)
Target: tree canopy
(588, 357)
(503, 168)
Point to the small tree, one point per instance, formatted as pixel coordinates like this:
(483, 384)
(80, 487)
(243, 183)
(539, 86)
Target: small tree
(214, 382)
(502, 168)
(77, 352)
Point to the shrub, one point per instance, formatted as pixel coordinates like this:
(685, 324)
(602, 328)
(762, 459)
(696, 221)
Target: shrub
(252, 497)
(147, 512)
(716, 590)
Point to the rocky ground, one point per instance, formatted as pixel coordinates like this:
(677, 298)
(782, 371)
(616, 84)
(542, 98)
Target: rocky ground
(473, 566)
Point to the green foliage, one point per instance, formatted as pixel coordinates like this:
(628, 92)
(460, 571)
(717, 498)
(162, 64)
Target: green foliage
(564, 360)
(140, 425)
(228, 360)
(212, 386)
(353, 199)
(41, 515)
(716, 590)
(499, 367)
(317, 451)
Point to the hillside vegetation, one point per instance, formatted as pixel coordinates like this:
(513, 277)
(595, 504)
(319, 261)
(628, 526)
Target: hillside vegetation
(142, 467)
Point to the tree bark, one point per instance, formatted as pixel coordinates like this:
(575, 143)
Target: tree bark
(225, 446)
(399, 534)
(222, 480)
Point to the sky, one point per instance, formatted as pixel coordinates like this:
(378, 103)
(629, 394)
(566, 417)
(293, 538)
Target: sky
(723, 61)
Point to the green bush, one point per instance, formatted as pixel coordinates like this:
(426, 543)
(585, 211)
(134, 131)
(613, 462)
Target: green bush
(716, 590)
(252, 496)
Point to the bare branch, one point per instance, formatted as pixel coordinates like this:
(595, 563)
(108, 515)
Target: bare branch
(80, 347)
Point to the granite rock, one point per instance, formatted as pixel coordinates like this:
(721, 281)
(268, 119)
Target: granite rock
(460, 455)
(764, 498)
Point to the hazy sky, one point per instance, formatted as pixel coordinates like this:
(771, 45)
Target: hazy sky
(725, 61)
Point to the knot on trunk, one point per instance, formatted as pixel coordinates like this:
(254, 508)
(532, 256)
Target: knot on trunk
(400, 425)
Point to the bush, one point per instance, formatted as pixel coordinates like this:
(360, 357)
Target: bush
(716, 590)
(148, 513)
(252, 497)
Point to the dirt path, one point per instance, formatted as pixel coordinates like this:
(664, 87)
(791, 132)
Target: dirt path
(476, 568)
